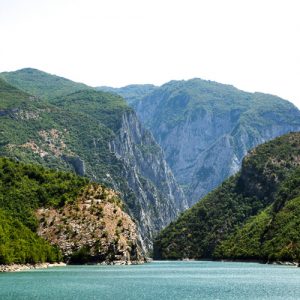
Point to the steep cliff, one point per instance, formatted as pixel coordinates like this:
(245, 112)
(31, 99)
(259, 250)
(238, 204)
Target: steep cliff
(206, 128)
(97, 135)
(146, 172)
(252, 215)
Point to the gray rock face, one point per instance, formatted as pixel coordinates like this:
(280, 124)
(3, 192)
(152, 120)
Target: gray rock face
(8, 112)
(146, 172)
(224, 158)
(206, 128)
(205, 151)
(77, 163)
(184, 143)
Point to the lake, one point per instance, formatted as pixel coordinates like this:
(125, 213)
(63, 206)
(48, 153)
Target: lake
(156, 280)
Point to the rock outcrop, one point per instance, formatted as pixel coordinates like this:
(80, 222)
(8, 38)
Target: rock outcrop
(92, 229)
(77, 163)
(26, 267)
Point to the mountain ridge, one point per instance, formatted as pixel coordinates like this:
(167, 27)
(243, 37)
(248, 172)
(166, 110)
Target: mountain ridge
(205, 128)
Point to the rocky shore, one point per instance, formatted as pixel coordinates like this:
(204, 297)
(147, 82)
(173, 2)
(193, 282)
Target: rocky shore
(125, 262)
(24, 267)
(20, 267)
(285, 263)
(282, 263)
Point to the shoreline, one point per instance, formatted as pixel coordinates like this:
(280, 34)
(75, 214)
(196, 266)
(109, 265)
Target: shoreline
(24, 267)
(280, 263)
(285, 263)
(263, 262)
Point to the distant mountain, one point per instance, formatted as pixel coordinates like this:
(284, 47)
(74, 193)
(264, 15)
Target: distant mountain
(206, 128)
(132, 93)
(49, 216)
(95, 134)
(252, 215)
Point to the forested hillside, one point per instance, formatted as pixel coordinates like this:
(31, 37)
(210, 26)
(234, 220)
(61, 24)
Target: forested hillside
(252, 215)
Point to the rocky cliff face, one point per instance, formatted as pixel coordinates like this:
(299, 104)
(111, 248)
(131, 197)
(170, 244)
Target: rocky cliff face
(159, 197)
(206, 128)
(224, 157)
(92, 229)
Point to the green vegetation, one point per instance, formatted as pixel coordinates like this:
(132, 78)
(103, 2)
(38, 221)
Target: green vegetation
(253, 215)
(82, 256)
(274, 234)
(178, 100)
(18, 244)
(42, 84)
(104, 107)
(11, 96)
(24, 188)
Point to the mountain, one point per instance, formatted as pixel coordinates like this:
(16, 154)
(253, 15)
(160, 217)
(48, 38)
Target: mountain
(206, 128)
(49, 216)
(42, 84)
(252, 215)
(95, 134)
(132, 93)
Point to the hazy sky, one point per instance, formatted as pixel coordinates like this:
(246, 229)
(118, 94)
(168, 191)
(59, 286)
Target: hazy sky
(252, 44)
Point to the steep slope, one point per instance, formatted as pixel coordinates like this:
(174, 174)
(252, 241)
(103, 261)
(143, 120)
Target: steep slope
(206, 128)
(84, 221)
(19, 244)
(158, 199)
(11, 96)
(96, 134)
(220, 225)
(273, 234)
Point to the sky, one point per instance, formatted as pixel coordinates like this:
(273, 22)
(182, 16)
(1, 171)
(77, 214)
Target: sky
(251, 44)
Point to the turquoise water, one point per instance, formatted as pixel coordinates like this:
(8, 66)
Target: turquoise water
(157, 280)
